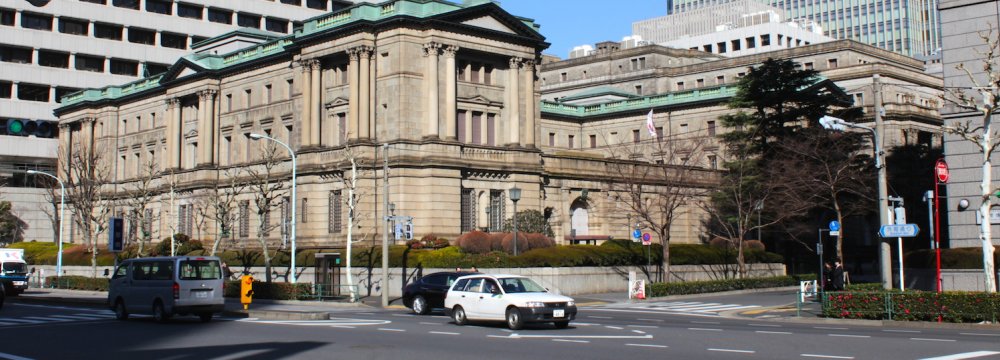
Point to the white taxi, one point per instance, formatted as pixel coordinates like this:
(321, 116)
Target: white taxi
(514, 299)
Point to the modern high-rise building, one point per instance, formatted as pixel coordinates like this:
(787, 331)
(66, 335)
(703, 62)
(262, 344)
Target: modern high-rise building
(49, 49)
(908, 27)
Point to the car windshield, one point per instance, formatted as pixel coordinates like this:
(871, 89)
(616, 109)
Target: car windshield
(520, 285)
(13, 268)
(200, 270)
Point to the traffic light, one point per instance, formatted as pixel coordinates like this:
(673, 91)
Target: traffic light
(20, 127)
(246, 290)
(408, 230)
(116, 235)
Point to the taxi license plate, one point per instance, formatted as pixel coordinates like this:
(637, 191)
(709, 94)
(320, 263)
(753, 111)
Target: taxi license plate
(19, 283)
(201, 294)
(559, 313)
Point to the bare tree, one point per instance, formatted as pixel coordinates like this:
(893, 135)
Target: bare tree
(982, 97)
(655, 178)
(86, 175)
(140, 195)
(51, 206)
(268, 191)
(355, 195)
(221, 205)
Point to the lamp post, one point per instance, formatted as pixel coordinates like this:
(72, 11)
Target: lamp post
(515, 195)
(62, 209)
(292, 153)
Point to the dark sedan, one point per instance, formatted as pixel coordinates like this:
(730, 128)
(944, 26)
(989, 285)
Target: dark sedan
(428, 292)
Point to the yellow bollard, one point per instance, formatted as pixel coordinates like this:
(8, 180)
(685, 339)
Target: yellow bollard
(246, 290)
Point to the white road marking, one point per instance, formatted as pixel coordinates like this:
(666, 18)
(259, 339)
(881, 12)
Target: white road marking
(902, 331)
(585, 324)
(403, 315)
(829, 328)
(706, 322)
(242, 354)
(343, 326)
(979, 334)
(614, 327)
(644, 326)
(429, 323)
(638, 331)
(365, 313)
(599, 317)
(732, 350)
(656, 320)
(48, 319)
(13, 357)
(773, 332)
(704, 329)
(583, 336)
(81, 317)
(927, 339)
(850, 336)
(500, 337)
(765, 325)
(658, 312)
(22, 321)
(445, 333)
(387, 329)
(648, 345)
(572, 341)
(968, 355)
(827, 356)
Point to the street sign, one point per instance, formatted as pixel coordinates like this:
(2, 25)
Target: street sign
(941, 171)
(636, 233)
(834, 226)
(834, 232)
(900, 230)
(646, 239)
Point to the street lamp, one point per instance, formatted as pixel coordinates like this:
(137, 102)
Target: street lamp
(292, 153)
(515, 195)
(62, 209)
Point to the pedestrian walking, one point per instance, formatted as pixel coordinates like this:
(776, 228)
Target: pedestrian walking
(837, 276)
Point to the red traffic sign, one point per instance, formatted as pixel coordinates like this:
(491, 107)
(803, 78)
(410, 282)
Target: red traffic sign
(646, 239)
(941, 171)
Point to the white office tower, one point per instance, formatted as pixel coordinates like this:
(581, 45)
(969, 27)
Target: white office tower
(753, 33)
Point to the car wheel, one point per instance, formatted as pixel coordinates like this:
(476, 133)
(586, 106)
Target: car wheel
(160, 314)
(205, 317)
(562, 324)
(514, 321)
(120, 312)
(459, 316)
(420, 305)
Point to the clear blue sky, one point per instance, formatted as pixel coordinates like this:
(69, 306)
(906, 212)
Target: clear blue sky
(570, 23)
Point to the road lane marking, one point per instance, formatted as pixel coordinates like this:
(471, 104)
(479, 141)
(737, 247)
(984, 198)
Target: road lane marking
(445, 333)
(850, 336)
(585, 324)
(583, 336)
(429, 323)
(500, 337)
(365, 313)
(706, 322)
(572, 341)
(704, 329)
(657, 312)
(614, 327)
(902, 331)
(13, 357)
(387, 329)
(968, 355)
(979, 334)
(242, 354)
(656, 320)
(600, 317)
(733, 351)
(403, 315)
(343, 326)
(927, 339)
(765, 325)
(829, 328)
(648, 345)
(827, 356)
(22, 321)
(638, 331)
(773, 332)
(644, 326)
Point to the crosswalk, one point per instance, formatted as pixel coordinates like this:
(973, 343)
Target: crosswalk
(62, 318)
(677, 307)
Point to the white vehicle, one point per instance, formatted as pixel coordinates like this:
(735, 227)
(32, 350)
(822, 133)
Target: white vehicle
(13, 271)
(514, 299)
(167, 286)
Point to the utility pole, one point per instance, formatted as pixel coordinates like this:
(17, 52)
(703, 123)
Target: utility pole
(885, 248)
(385, 233)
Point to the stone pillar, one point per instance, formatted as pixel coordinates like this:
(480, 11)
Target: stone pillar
(305, 135)
(213, 127)
(204, 130)
(316, 96)
(431, 78)
(364, 91)
(63, 153)
(88, 134)
(371, 95)
(529, 103)
(511, 103)
(176, 135)
(450, 93)
(354, 97)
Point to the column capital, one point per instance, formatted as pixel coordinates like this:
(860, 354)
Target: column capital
(63, 126)
(450, 50)
(432, 48)
(515, 62)
(207, 94)
(172, 102)
(308, 64)
(529, 64)
(88, 119)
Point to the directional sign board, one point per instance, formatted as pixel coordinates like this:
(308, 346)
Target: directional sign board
(901, 230)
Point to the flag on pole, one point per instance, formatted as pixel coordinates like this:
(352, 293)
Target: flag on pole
(649, 124)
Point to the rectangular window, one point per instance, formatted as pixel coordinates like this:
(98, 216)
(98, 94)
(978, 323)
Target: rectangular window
(570, 140)
(17, 55)
(477, 127)
(722, 47)
(248, 98)
(711, 128)
(593, 141)
(108, 31)
(62, 92)
(680, 85)
(159, 7)
(220, 16)
(342, 123)
(36, 21)
(335, 211)
(463, 135)
(32, 92)
(562, 77)
(635, 136)
(174, 41)
(276, 25)
(304, 210)
(248, 20)
(127, 4)
(807, 66)
(713, 162)
(141, 36)
(267, 93)
(291, 87)
(89, 63)
(53, 59)
(317, 4)
(707, 48)
(474, 73)
(155, 69)
(488, 74)
(765, 40)
(700, 82)
(229, 102)
(468, 210)
(74, 27)
(552, 139)
(659, 133)
(831, 63)
(491, 120)
(102, 2)
(638, 89)
(719, 80)
(189, 11)
(292, 2)
(735, 45)
(859, 99)
(124, 67)
(496, 210)
(7, 17)
(635, 64)
(751, 42)
(245, 219)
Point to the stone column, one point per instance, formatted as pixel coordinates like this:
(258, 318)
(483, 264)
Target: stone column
(511, 103)
(431, 78)
(450, 93)
(371, 95)
(305, 135)
(204, 130)
(529, 103)
(364, 91)
(354, 97)
(176, 135)
(316, 96)
(213, 127)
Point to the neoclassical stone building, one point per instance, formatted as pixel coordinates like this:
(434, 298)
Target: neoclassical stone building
(449, 89)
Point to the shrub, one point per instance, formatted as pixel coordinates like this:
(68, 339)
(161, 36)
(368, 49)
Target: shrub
(271, 290)
(754, 245)
(913, 306)
(538, 241)
(440, 243)
(475, 242)
(496, 241)
(415, 244)
(522, 243)
(699, 287)
(77, 283)
(720, 242)
(163, 248)
(39, 253)
(531, 221)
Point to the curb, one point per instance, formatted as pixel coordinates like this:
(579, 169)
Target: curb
(278, 315)
(721, 293)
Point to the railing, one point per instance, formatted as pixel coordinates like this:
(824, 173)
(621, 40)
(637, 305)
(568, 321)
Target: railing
(321, 292)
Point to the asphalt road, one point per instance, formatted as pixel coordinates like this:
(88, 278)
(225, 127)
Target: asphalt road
(688, 330)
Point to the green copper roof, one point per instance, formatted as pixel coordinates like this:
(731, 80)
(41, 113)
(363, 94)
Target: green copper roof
(598, 91)
(641, 103)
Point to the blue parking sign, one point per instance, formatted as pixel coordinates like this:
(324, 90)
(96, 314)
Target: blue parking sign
(834, 225)
(636, 233)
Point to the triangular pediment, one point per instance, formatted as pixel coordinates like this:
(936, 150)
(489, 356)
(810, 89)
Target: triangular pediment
(336, 102)
(478, 99)
(489, 22)
(186, 71)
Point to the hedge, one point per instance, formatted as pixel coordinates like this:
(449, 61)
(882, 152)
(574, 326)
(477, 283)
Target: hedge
(954, 307)
(699, 287)
(77, 283)
(272, 290)
(957, 258)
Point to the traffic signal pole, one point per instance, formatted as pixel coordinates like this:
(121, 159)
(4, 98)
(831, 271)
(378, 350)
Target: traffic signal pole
(385, 234)
(885, 248)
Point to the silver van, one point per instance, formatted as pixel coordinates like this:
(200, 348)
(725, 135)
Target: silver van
(167, 286)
